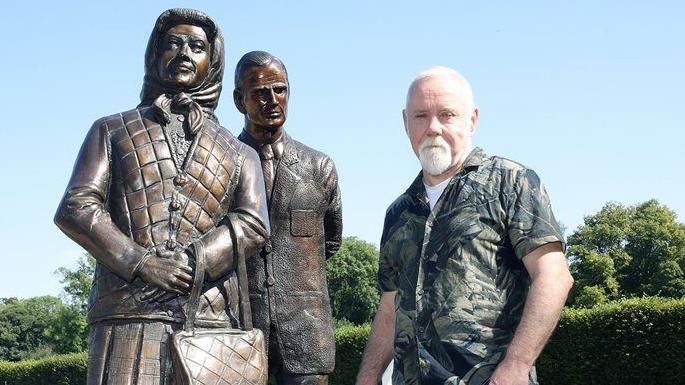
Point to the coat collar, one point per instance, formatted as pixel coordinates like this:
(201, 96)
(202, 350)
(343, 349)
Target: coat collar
(288, 156)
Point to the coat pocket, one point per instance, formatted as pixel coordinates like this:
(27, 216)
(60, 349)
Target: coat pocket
(303, 223)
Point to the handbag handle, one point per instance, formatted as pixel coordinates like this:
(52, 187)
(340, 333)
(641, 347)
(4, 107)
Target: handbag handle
(196, 290)
(244, 294)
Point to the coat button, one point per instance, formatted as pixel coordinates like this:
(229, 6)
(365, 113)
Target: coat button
(180, 179)
(270, 281)
(175, 204)
(268, 248)
(420, 292)
(181, 118)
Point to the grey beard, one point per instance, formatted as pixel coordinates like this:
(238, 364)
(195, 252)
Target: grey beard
(435, 161)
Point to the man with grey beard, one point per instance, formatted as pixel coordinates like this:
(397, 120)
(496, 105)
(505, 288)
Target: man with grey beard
(472, 268)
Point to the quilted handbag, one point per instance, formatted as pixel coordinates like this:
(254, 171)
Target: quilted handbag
(219, 356)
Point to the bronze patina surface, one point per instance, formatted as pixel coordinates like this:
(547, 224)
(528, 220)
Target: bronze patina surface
(150, 187)
(288, 289)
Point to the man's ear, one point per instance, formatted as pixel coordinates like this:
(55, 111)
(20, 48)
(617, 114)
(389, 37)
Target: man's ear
(406, 122)
(238, 100)
(474, 120)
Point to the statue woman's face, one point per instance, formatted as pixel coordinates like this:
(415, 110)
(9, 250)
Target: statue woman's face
(184, 56)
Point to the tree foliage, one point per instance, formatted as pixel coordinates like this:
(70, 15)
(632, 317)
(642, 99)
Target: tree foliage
(39, 326)
(77, 283)
(27, 327)
(628, 251)
(352, 281)
(71, 332)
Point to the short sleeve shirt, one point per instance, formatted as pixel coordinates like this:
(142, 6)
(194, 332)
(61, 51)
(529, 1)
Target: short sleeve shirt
(457, 270)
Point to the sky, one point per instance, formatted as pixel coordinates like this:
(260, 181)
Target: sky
(587, 93)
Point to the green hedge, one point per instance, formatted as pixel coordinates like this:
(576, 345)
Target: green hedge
(68, 369)
(636, 342)
(350, 341)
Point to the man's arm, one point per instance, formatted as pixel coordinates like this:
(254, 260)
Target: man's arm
(551, 282)
(379, 348)
(332, 222)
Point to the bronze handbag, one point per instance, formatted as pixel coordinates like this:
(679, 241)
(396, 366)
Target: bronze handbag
(219, 356)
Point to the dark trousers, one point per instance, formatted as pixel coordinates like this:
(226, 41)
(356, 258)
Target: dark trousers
(280, 375)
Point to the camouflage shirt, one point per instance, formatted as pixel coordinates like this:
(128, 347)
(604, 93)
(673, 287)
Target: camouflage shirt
(457, 270)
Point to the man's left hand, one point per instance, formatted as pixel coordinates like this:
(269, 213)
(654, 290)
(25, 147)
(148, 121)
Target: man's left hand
(510, 372)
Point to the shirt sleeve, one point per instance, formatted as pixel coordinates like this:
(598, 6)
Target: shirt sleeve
(531, 222)
(388, 271)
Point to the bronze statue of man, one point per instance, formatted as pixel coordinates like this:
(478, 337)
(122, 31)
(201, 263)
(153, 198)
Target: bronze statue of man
(150, 187)
(288, 290)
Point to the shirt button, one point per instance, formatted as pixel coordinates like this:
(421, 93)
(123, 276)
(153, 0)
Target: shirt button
(270, 281)
(181, 118)
(420, 292)
(268, 248)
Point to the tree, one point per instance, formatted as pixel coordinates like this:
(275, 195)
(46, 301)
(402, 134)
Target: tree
(77, 283)
(70, 332)
(352, 280)
(626, 252)
(25, 325)
(39, 326)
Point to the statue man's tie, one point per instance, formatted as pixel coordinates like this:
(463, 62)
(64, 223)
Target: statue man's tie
(267, 156)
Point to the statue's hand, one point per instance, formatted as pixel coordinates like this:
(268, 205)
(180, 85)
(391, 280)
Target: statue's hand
(169, 272)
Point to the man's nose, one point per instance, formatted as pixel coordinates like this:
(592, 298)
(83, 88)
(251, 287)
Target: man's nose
(271, 96)
(434, 126)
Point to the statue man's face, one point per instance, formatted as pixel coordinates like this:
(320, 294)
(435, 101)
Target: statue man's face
(184, 56)
(265, 97)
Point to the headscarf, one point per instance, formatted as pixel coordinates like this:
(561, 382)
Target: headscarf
(199, 101)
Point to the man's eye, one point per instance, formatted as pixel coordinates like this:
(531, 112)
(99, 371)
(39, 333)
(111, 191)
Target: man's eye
(420, 116)
(197, 48)
(258, 94)
(280, 90)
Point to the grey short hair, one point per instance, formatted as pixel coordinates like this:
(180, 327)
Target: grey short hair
(444, 72)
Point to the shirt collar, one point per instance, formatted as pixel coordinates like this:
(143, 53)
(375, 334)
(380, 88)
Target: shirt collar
(278, 146)
(474, 160)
